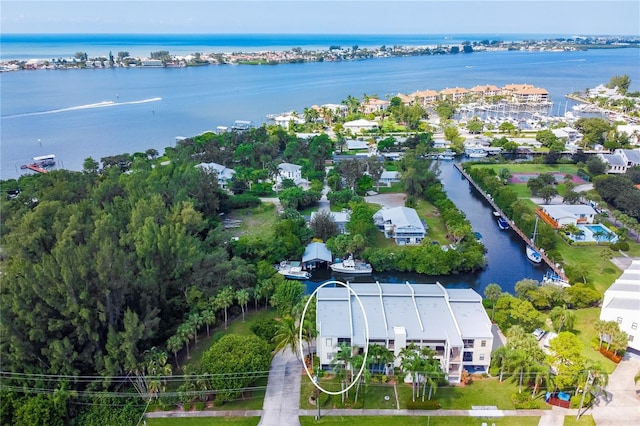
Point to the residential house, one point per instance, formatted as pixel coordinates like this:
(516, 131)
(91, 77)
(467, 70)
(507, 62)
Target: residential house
(622, 303)
(286, 120)
(616, 164)
(559, 215)
(290, 171)
(362, 125)
(530, 95)
(452, 322)
(405, 99)
(630, 156)
(569, 134)
(632, 131)
(225, 175)
(388, 177)
(402, 224)
(373, 105)
(340, 218)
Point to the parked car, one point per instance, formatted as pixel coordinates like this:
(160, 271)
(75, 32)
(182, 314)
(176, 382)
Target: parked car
(538, 333)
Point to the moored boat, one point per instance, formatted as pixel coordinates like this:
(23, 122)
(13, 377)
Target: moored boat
(533, 254)
(293, 271)
(350, 266)
(503, 224)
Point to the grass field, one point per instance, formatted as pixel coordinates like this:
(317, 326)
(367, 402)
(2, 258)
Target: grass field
(585, 332)
(204, 421)
(480, 392)
(532, 168)
(255, 221)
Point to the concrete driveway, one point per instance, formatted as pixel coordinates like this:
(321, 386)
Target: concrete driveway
(624, 407)
(282, 399)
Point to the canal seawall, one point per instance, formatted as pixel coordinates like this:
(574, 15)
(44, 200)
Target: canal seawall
(558, 271)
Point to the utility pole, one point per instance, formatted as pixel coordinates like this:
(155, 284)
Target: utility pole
(315, 380)
(588, 383)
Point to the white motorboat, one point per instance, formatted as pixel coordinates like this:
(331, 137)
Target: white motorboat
(350, 266)
(293, 271)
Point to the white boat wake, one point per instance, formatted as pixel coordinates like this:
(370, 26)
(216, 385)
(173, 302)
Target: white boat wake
(103, 104)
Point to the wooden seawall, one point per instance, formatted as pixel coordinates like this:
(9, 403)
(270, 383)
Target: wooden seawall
(558, 271)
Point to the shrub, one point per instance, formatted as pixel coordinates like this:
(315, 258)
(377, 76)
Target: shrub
(575, 400)
(522, 401)
(187, 406)
(243, 201)
(620, 245)
(427, 404)
(199, 406)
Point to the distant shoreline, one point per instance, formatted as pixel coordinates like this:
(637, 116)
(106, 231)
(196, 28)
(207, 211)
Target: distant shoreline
(269, 56)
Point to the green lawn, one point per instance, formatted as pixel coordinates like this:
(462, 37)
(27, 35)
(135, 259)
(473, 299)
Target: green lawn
(585, 332)
(532, 168)
(255, 220)
(480, 392)
(584, 421)
(431, 215)
(204, 421)
(415, 421)
(600, 272)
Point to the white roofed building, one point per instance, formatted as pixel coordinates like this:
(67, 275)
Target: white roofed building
(358, 126)
(615, 163)
(290, 171)
(622, 303)
(402, 224)
(224, 174)
(450, 321)
(559, 215)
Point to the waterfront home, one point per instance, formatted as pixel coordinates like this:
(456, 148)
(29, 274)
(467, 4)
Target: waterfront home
(340, 218)
(225, 175)
(481, 92)
(362, 125)
(400, 223)
(622, 303)
(405, 99)
(569, 134)
(454, 94)
(373, 105)
(286, 120)
(559, 215)
(425, 97)
(452, 322)
(357, 144)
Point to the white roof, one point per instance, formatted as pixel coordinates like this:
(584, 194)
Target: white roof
(423, 311)
(568, 210)
(337, 216)
(361, 123)
(401, 217)
(288, 167)
(624, 293)
(222, 171)
(356, 144)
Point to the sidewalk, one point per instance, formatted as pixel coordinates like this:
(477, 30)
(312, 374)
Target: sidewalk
(282, 399)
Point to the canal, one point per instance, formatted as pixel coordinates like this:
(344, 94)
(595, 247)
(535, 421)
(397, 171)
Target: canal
(506, 260)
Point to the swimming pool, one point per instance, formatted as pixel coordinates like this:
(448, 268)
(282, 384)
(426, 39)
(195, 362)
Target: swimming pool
(596, 232)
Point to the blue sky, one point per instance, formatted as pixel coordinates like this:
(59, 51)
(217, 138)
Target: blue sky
(571, 17)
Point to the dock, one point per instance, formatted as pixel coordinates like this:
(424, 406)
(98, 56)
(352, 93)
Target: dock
(558, 271)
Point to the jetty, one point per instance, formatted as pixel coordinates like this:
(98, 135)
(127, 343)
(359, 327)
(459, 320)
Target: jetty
(557, 270)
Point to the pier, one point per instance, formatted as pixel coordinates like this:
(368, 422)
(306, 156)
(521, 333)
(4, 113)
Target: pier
(557, 271)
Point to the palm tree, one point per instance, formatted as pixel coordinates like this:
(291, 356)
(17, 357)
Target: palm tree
(242, 296)
(562, 317)
(600, 327)
(493, 293)
(541, 373)
(411, 363)
(379, 355)
(287, 335)
(432, 371)
(208, 318)
(174, 344)
(499, 358)
(185, 332)
(224, 300)
(195, 319)
(341, 363)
